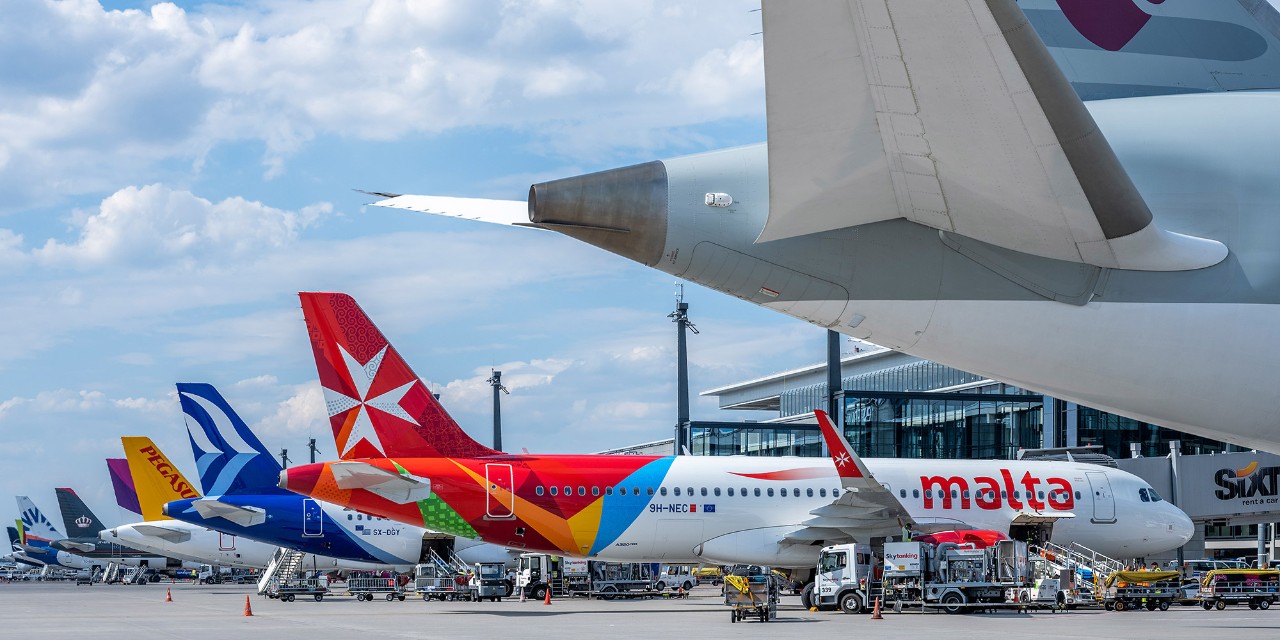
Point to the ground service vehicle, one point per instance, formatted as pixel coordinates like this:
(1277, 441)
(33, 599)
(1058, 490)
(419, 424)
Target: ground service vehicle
(843, 578)
(489, 581)
(956, 575)
(1259, 588)
(676, 576)
(1137, 589)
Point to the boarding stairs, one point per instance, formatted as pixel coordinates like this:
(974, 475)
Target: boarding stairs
(112, 574)
(283, 567)
(129, 575)
(1075, 557)
(104, 576)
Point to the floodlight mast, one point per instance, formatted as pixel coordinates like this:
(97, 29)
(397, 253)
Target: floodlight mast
(680, 316)
(495, 381)
(311, 444)
(284, 458)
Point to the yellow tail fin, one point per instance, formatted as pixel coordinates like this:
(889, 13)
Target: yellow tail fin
(155, 478)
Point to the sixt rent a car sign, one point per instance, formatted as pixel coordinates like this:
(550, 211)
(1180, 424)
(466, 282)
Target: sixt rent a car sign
(1252, 484)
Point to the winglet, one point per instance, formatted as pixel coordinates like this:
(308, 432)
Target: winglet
(848, 464)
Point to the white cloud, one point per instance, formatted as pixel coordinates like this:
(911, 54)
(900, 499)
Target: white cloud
(147, 87)
(154, 224)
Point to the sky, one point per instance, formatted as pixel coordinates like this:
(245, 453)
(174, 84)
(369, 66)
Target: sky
(172, 174)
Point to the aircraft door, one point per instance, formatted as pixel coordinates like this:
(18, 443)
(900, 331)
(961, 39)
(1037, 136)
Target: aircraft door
(1104, 503)
(226, 542)
(501, 491)
(312, 518)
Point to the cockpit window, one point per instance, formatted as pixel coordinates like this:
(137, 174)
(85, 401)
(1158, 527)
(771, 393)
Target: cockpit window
(1142, 493)
(1155, 497)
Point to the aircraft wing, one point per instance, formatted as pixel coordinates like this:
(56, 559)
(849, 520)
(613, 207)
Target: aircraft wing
(865, 510)
(163, 532)
(243, 516)
(400, 489)
(952, 115)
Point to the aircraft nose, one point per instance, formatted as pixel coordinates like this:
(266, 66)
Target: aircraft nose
(1181, 526)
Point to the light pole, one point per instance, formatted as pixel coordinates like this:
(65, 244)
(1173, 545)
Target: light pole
(495, 381)
(681, 317)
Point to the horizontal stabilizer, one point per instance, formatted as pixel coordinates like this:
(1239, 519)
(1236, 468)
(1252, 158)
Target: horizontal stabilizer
(400, 489)
(163, 532)
(243, 516)
(71, 545)
(507, 212)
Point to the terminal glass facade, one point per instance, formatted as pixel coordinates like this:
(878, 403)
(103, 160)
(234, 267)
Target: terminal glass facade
(929, 410)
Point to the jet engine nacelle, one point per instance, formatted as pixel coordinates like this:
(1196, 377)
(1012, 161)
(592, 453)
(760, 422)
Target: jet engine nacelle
(762, 546)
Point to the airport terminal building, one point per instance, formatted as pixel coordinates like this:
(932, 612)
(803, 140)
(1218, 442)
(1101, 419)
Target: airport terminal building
(897, 405)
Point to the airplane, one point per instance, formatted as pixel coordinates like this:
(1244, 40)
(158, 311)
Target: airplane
(38, 535)
(146, 482)
(239, 478)
(16, 553)
(403, 457)
(1078, 198)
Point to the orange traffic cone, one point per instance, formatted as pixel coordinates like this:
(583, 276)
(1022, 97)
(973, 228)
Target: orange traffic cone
(547, 600)
(248, 610)
(875, 613)
(168, 595)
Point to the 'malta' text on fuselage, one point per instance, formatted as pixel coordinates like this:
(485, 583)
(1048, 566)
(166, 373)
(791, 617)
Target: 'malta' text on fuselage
(991, 493)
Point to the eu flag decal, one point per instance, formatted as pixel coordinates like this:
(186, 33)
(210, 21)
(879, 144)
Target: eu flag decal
(708, 508)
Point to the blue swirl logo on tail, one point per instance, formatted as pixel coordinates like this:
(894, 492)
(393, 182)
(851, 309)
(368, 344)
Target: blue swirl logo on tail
(230, 458)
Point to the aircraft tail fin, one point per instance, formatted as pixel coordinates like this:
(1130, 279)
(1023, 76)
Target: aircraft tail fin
(15, 541)
(77, 517)
(122, 482)
(378, 407)
(156, 479)
(1127, 48)
(35, 525)
(229, 456)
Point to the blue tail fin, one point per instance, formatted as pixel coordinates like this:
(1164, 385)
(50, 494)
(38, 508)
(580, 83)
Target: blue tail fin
(230, 458)
(77, 517)
(1127, 48)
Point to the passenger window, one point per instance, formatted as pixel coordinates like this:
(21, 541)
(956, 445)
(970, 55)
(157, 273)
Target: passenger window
(568, 491)
(1077, 495)
(716, 491)
(757, 492)
(1003, 495)
(730, 492)
(966, 494)
(690, 491)
(582, 491)
(635, 491)
(744, 492)
(915, 493)
(676, 490)
(662, 490)
(538, 490)
(349, 516)
(554, 491)
(648, 491)
(809, 492)
(822, 492)
(608, 491)
(595, 491)
(704, 491)
(902, 493)
(928, 493)
(783, 492)
(1041, 495)
(770, 492)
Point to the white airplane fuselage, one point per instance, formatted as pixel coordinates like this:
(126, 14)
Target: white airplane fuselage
(1189, 350)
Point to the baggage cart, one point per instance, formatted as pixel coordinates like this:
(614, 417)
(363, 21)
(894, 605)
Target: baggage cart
(366, 587)
(290, 590)
(1138, 589)
(1257, 588)
(750, 591)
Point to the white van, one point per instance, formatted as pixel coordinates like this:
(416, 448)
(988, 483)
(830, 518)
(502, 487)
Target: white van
(676, 576)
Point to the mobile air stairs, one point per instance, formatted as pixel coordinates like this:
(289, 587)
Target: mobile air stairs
(1088, 568)
(109, 575)
(282, 569)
